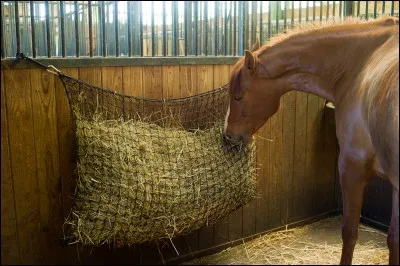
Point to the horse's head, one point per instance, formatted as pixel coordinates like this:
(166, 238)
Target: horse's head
(254, 97)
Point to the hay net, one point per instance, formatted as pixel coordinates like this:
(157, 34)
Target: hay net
(152, 169)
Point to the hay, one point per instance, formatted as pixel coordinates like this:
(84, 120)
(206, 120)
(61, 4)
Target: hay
(141, 182)
(314, 244)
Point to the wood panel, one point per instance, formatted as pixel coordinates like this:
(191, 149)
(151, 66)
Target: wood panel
(288, 135)
(42, 161)
(9, 239)
(47, 162)
(299, 178)
(23, 164)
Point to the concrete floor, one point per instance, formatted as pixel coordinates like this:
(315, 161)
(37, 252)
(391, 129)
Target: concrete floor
(316, 243)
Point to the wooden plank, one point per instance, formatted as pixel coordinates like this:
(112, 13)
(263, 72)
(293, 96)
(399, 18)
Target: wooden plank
(312, 155)
(188, 80)
(67, 151)
(132, 81)
(171, 84)
(111, 78)
(23, 164)
(298, 199)
(9, 237)
(152, 88)
(66, 142)
(275, 187)
(289, 115)
(47, 163)
(326, 148)
(235, 218)
(221, 228)
(205, 75)
(263, 146)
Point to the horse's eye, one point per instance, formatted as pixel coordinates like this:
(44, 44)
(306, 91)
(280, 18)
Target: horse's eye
(237, 98)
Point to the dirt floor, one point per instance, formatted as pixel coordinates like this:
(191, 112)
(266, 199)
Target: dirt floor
(317, 243)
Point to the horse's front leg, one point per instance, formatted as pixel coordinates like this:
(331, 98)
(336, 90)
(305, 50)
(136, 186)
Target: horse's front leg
(393, 234)
(353, 179)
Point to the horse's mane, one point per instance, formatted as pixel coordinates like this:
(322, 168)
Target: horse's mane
(306, 28)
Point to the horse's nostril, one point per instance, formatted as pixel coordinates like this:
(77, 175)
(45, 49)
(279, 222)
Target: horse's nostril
(228, 136)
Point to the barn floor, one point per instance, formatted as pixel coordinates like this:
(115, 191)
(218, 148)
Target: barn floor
(316, 243)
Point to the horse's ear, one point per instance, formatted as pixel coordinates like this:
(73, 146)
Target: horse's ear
(256, 46)
(250, 60)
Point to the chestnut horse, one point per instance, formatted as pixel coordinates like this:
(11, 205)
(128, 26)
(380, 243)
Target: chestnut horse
(353, 64)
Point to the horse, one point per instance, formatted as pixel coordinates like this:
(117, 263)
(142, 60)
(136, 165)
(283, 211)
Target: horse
(351, 63)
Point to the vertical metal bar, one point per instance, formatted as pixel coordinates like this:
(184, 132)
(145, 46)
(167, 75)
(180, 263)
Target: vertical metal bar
(90, 29)
(327, 10)
(196, 10)
(33, 28)
(277, 17)
(300, 11)
(340, 9)
(205, 24)
(392, 9)
(285, 17)
(240, 28)
(375, 7)
(358, 8)
(321, 4)
(269, 20)
(103, 27)
(153, 40)
(185, 23)
(366, 10)
(141, 28)
(48, 41)
(261, 22)
(176, 27)
(234, 29)
(164, 31)
(129, 29)
(292, 15)
(253, 23)
(383, 7)
(225, 47)
(216, 26)
(116, 28)
(313, 11)
(76, 29)
(334, 8)
(3, 55)
(17, 25)
(348, 8)
(307, 13)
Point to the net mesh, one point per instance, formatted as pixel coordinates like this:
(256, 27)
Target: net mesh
(152, 169)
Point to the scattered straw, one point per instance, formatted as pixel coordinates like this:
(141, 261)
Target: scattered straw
(315, 244)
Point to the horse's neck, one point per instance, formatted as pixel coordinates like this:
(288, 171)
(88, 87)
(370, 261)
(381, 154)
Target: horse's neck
(328, 66)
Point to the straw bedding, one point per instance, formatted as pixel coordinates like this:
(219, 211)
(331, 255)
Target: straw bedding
(140, 182)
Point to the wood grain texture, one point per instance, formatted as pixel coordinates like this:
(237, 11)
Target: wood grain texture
(66, 142)
(23, 164)
(288, 136)
(9, 237)
(47, 162)
(263, 147)
(298, 194)
(276, 196)
(38, 119)
(311, 154)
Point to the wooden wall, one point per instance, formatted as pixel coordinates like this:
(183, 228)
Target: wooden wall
(297, 168)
